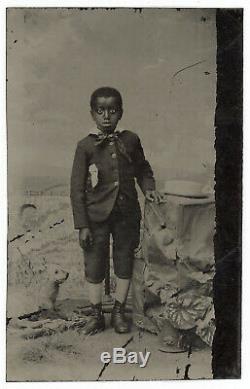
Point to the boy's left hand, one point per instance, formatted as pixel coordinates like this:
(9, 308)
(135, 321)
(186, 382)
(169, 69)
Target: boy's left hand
(153, 196)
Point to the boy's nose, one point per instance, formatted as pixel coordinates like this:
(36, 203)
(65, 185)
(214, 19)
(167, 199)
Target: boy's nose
(106, 114)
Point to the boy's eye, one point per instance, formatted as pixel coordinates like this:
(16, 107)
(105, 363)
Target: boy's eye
(111, 111)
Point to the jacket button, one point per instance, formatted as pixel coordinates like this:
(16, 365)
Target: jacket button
(121, 197)
(116, 183)
(113, 155)
(111, 143)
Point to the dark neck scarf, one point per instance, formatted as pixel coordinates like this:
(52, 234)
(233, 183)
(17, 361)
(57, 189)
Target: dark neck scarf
(102, 138)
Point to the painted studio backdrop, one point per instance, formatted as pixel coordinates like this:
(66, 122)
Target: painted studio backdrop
(163, 61)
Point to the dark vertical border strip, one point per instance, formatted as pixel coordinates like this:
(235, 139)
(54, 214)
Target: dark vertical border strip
(228, 174)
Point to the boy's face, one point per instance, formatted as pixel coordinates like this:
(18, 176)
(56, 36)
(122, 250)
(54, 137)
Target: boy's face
(106, 113)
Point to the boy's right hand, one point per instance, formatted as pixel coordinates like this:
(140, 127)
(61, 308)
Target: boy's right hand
(85, 238)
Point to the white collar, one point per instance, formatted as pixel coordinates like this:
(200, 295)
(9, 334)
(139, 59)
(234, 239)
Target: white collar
(96, 131)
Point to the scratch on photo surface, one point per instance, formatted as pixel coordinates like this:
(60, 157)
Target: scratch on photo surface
(186, 376)
(107, 363)
(188, 67)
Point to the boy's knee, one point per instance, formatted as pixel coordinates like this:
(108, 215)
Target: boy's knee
(94, 280)
(94, 274)
(124, 268)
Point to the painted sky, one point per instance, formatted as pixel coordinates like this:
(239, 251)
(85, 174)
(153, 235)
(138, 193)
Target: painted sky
(162, 61)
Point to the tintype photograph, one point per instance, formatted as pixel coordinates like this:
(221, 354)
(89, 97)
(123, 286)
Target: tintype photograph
(124, 193)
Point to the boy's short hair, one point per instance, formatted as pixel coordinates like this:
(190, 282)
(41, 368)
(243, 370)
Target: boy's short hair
(105, 91)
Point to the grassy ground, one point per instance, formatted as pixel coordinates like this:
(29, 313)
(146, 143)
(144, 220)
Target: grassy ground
(74, 356)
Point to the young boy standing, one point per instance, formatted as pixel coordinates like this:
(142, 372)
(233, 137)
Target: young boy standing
(105, 201)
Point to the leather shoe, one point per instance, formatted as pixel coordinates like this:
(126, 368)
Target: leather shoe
(118, 319)
(96, 322)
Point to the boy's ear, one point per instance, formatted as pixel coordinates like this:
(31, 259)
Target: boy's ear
(121, 113)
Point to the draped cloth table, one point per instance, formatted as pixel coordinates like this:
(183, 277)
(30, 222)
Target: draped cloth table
(174, 269)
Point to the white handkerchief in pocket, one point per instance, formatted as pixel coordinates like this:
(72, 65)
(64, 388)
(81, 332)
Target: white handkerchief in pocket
(93, 172)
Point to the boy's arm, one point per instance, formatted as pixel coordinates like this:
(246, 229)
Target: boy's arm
(143, 171)
(144, 175)
(77, 188)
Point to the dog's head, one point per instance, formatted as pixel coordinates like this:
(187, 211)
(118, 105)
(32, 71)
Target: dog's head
(56, 273)
(48, 271)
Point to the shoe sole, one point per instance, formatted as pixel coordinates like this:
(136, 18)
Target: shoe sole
(96, 331)
(120, 332)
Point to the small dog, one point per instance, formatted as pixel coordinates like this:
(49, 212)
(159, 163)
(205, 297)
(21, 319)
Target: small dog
(48, 281)
(41, 293)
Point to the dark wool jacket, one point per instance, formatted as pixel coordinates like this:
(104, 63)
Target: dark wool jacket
(116, 178)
